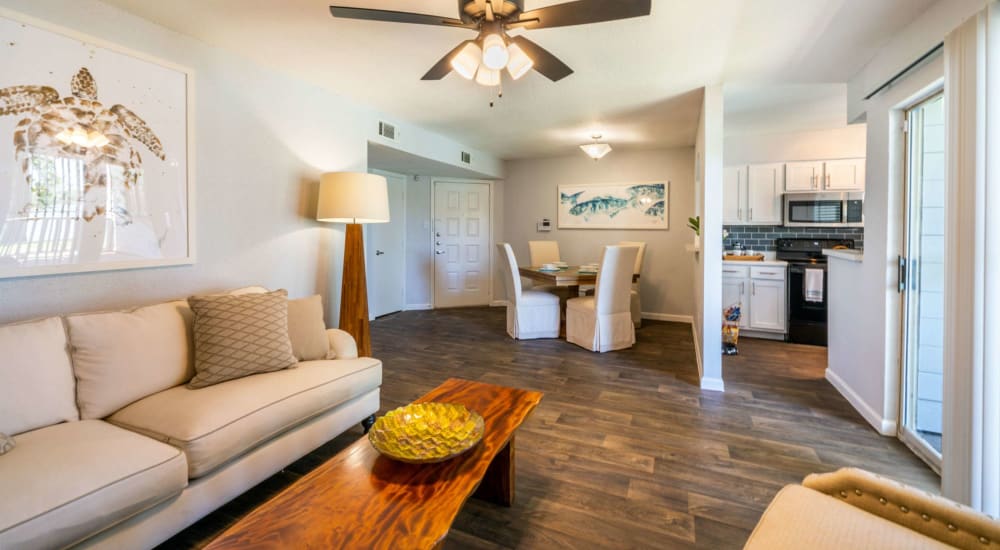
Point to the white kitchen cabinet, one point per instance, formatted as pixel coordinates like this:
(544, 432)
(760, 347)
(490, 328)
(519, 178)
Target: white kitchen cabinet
(760, 290)
(733, 194)
(751, 195)
(844, 175)
(803, 176)
(765, 184)
(767, 305)
(734, 290)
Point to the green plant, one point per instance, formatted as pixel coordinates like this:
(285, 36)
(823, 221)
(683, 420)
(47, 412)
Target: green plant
(695, 224)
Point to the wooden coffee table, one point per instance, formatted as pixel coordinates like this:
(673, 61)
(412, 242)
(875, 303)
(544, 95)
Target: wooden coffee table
(360, 499)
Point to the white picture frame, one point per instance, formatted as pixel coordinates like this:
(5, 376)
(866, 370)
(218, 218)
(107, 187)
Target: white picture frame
(642, 205)
(128, 205)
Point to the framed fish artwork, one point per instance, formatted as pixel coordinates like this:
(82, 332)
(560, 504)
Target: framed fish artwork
(615, 206)
(95, 143)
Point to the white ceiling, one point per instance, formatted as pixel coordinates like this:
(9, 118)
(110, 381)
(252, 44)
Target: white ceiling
(636, 80)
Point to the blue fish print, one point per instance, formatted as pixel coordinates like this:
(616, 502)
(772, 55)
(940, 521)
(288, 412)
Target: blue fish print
(643, 194)
(609, 206)
(569, 199)
(656, 210)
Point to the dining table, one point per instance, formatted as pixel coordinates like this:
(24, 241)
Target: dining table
(570, 277)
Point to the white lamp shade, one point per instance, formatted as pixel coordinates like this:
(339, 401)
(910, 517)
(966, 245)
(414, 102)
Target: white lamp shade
(495, 54)
(596, 150)
(488, 77)
(352, 197)
(467, 60)
(519, 63)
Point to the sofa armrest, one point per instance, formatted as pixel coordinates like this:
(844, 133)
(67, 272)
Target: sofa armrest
(342, 344)
(930, 515)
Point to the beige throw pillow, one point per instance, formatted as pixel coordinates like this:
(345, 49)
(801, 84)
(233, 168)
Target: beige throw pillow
(306, 329)
(236, 336)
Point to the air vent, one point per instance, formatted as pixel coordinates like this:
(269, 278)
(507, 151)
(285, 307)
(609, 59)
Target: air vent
(387, 130)
(466, 158)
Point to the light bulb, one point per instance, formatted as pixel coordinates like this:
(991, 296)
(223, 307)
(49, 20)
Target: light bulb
(467, 60)
(66, 137)
(519, 63)
(487, 76)
(79, 137)
(495, 55)
(97, 139)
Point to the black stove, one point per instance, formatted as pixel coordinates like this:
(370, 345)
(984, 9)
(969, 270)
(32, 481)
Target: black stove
(806, 316)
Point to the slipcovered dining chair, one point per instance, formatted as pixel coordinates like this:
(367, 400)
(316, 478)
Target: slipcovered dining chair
(635, 303)
(603, 322)
(530, 313)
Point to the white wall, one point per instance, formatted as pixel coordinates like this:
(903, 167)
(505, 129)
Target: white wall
(905, 47)
(708, 267)
(262, 139)
(844, 142)
(531, 194)
(419, 253)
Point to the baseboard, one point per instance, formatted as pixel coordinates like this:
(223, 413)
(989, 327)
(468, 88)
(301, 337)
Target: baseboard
(418, 307)
(712, 384)
(697, 347)
(498, 303)
(881, 425)
(667, 317)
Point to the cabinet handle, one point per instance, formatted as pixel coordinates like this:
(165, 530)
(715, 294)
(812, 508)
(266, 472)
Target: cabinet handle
(767, 273)
(751, 214)
(739, 213)
(827, 181)
(743, 289)
(753, 289)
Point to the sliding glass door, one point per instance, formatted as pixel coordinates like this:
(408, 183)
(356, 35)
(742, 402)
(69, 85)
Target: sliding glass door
(921, 280)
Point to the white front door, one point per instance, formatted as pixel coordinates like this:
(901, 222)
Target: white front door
(385, 252)
(461, 244)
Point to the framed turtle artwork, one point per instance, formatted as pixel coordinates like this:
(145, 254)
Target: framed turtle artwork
(615, 206)
(95, 146)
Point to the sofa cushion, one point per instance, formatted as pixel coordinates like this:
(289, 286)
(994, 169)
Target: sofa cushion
(215, 424)
(306, 329)
(6, 444)
(122, 356)
(36, 376)
(239, 335)
(66, 482)
(802, 518)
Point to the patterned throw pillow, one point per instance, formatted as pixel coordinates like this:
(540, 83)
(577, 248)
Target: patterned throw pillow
(6, 444)
(239, 335)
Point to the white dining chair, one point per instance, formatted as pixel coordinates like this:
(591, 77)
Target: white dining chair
(635, 302)
(530, 313)
(603, 322)
(543, 252)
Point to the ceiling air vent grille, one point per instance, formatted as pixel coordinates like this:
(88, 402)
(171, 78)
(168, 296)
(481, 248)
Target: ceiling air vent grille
(387, 130)
(466, 157)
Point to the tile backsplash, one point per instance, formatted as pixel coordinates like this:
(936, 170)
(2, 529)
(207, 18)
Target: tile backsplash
(761, 237)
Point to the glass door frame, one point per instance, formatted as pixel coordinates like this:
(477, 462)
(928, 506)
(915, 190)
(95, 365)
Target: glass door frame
(908, 325)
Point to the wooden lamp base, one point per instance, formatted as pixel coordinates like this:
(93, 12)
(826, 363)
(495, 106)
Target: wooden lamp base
(354, 291)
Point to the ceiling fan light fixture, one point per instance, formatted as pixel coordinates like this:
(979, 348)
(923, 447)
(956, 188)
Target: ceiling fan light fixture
(467, 60)
(487, 76)
(495, 54)
(519, 63)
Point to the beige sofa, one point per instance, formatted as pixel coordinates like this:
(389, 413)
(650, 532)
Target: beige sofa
(114, 451)
(852, 508)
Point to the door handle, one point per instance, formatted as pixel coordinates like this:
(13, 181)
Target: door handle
(901, 274)
(379, 253)
(437, 234)
(437, 243)
(439, 252)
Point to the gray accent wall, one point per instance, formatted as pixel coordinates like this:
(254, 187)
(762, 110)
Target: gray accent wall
(761, 237)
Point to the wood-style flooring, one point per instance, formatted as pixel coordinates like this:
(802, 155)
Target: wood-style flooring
(625, 450)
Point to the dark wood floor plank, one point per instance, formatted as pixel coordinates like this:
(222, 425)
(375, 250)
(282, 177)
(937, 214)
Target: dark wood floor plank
(625, 450)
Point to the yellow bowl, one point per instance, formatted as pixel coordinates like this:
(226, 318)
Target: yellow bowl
(422, 433)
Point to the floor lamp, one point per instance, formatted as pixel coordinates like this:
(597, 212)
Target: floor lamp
(354, 199)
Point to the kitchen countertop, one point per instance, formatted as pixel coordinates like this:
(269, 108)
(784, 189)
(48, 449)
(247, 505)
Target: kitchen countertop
(771, 262)
(845, 254)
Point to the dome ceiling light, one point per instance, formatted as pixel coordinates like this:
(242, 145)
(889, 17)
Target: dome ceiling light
(596, 150)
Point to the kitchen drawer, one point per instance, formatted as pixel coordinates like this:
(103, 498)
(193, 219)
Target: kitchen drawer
(772, 272)
(729, 270)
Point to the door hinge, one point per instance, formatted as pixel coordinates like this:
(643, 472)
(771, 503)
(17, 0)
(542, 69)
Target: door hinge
(905, 126)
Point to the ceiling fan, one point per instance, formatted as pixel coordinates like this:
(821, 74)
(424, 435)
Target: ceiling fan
(484, 57)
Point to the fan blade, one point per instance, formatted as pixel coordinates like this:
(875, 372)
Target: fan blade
(443, 67)
(398, 17)
(582, 12)
(545, 63)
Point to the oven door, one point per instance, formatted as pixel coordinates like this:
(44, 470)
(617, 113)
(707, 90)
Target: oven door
(806, 319)
(817, 210)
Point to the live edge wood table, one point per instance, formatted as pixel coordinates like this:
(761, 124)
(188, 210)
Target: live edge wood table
(360, 499)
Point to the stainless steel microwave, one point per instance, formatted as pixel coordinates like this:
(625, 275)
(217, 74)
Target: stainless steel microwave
(825, 210)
